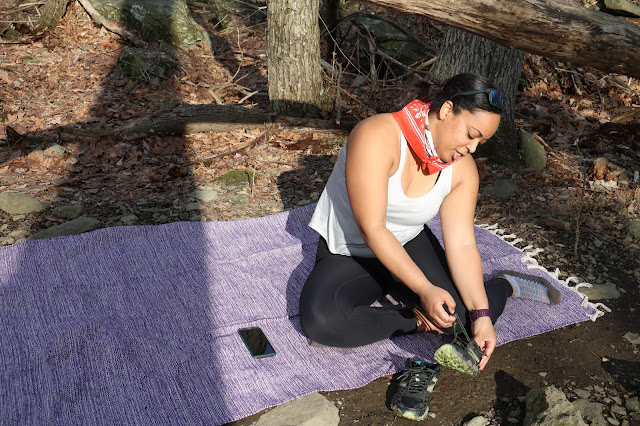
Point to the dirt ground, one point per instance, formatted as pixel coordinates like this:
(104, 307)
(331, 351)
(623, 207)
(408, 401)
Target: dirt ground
(59, 87)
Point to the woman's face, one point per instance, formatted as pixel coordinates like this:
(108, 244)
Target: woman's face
(457, 135)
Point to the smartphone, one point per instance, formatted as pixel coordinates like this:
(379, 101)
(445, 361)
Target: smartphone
(256, 342)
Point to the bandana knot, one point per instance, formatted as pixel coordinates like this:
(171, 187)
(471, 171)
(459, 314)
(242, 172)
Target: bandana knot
(412, 120)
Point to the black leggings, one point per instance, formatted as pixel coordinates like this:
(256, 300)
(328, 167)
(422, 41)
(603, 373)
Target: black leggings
(335, 301)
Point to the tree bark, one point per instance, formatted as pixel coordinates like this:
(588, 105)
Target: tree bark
(293, 57)
(53, 10)
(462, 52)
(552, 28)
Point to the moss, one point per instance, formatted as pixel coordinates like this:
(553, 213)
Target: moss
(235, 179)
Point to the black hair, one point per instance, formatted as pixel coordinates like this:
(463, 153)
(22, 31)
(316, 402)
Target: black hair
(438, 94)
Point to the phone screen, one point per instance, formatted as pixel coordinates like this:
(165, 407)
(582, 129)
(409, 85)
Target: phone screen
(257, 343)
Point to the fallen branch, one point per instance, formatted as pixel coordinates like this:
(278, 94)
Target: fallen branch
(263, 137)
(111, 26)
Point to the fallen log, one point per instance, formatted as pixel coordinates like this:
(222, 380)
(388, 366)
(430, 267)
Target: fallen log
(185, 119)
(552, 28)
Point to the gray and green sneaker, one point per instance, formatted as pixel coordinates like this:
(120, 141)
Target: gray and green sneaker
(463, 354)
(416, 382)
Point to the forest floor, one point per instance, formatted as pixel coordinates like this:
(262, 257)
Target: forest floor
(64, 80)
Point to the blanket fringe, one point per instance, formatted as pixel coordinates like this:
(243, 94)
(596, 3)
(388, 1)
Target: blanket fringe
(528, 258)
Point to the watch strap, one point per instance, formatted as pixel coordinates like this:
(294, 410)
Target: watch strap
(478, 313)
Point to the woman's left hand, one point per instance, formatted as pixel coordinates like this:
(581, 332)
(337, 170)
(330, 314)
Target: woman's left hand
(485, 336)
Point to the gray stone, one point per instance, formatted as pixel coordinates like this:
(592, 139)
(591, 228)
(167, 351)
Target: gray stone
(632, 230)
(477, 421)
(55, 151)
(632, 338)
(138, 65)
(582, 393)
(16, 203)
(613, 421)
(549, 407)
(501, 189)
(193, 206)
(591, 412)
(5, 241)
(206, 194)
(633, 404)
(311, 410)
(167, 20)
(19, 234)
(68, 212)
(533, 153)
(389, 39)
(130, 219)
(600, 292)
(616, 409)
(72, 227)
(623, 7)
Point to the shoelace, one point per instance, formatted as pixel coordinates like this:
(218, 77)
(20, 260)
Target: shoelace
(470, 345)
(418, 378)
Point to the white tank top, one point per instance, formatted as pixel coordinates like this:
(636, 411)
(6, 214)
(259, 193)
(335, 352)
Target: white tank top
(333, 218)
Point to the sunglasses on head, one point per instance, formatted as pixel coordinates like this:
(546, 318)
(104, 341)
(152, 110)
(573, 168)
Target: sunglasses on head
(495, 98)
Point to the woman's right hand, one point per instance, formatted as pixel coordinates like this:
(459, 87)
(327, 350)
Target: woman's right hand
(432, 299)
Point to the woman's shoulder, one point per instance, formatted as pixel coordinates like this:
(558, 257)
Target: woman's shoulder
(379, 129)
(464, 172)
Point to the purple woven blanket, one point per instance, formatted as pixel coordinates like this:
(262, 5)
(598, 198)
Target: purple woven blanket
(138, 325)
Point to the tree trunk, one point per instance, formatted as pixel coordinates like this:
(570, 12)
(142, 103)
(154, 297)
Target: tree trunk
(552, 28)
(293, 57)
(462, 52)
(53, 10)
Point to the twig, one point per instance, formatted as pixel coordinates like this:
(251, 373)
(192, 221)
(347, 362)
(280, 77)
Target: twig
(546, 146)
(580, 202)
(111, 26)
(263, 137)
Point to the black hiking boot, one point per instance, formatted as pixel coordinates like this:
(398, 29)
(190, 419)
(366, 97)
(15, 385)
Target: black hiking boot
(416, 382)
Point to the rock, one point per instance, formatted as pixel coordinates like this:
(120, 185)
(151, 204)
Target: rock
(55, 151)
(616, 409)
(68, 212)
(501, 189)
(195, 206)
(310, 410)
(72, 227)
(5, 241)
(549, 407)
(235, 180)
(477, 421)
(16, 203)
(613, 421)
(632, 338)
(137, 65)
(533, 153)
(130, 219)
(633, 404)
(167, 20)
(632, 229)
(388, 39)
(582, 393)
(623, 7)
(206, 194)
(591, 412)
(19, 234)
(600, 292)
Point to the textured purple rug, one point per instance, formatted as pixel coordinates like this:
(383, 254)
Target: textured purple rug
(138, 325)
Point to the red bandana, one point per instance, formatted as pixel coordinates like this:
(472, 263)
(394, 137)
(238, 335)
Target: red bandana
(412, 120)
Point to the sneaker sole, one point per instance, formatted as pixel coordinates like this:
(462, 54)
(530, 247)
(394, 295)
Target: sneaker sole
(411, 416)
(449, 356)
(555, 297)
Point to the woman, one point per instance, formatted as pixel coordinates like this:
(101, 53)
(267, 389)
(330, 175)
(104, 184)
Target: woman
(396, 172)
